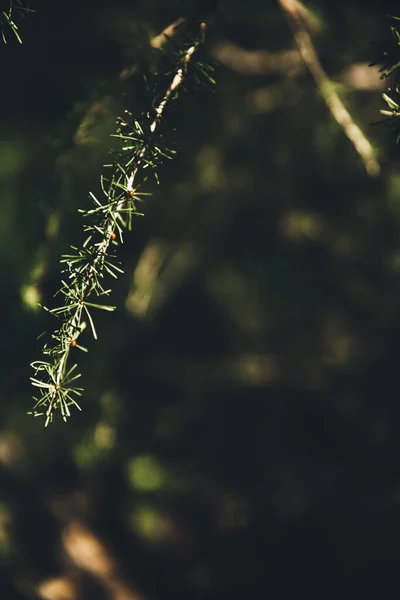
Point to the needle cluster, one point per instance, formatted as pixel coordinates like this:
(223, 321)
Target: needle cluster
(8, 10)
(142, 149)
(391, 69)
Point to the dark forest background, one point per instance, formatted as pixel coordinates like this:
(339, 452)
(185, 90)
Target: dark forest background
(241, 417)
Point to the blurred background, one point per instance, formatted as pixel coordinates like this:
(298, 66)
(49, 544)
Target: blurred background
(241, 414)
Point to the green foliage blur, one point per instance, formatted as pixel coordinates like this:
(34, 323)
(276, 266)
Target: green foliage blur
(241, 417)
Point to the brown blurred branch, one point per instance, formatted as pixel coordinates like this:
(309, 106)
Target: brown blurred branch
(168, 33)
(87, 552)
(158, 42)
(294, 11)
(357, 76)
(362, 77)
(257, 62)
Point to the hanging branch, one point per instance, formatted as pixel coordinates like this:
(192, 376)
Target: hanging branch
(390, 60)
(294, 10)
(142, 152)
(7, 10)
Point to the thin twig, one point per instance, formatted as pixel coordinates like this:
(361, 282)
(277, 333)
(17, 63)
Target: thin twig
(294, 10)
(175, 83)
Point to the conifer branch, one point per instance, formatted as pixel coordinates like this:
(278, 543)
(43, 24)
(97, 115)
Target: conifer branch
(294, 10)
(7, 10)
(390, 60)
(143, 150)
